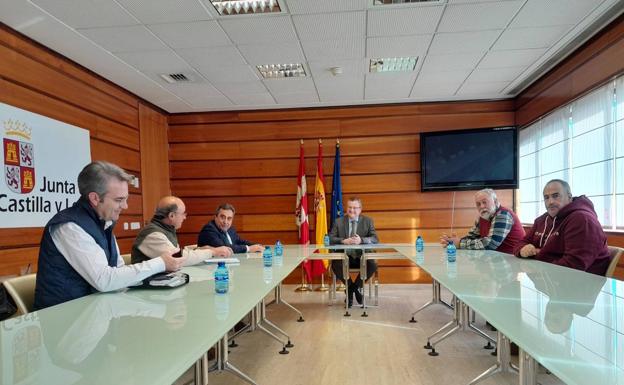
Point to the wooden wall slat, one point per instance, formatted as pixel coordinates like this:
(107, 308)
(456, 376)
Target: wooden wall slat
(255, 131)
(15, 261)
(32, 49)
(154, 158)
(400, 144)
(278, 186)
(341, 112)
(125, 158)
(372, 164)
(26, 71)
(99, 127)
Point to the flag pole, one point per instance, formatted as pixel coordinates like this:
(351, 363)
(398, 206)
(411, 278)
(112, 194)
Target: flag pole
(304, 285)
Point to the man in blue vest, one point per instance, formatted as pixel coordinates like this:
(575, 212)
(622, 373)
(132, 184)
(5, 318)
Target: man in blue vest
(79, 254)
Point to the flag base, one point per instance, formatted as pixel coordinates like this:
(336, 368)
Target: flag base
(303, 287)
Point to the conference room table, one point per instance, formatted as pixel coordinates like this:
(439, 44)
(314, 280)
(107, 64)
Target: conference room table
(569, 321)
(136, 336)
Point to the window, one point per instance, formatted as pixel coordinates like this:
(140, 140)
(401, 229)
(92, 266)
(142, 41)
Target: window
(582, 143)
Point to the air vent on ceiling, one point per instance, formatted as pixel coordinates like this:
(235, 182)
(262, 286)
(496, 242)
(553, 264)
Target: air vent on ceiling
(177, 78)
(397, 2)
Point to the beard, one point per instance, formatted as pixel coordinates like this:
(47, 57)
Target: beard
(486, 214)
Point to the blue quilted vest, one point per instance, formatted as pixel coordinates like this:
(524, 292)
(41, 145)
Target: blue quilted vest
(57, 281)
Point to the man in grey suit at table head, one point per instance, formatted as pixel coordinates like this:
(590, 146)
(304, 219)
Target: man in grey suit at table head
(353, 229)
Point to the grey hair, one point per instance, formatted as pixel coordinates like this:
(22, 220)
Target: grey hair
(563, 183)
(225, 206)
(490, 192)
(95, 176)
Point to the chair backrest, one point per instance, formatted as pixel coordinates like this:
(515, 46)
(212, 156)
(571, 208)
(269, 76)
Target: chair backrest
(127, 258)
(616, 254)
(22, 290)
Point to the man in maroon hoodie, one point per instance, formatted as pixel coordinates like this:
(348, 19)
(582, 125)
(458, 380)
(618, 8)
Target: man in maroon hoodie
(497, 228)
(568, 234)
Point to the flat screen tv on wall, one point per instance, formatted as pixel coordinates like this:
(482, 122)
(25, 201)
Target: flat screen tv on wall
(469, 159)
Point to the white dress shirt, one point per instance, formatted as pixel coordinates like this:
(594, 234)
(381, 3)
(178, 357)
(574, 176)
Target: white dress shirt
(89, 260)
(155, 244)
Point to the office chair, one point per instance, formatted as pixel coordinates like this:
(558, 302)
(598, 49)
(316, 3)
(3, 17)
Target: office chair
(22, 290)
(616, 254)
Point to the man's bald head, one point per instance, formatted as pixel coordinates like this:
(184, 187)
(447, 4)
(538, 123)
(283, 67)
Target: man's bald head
(171, 210)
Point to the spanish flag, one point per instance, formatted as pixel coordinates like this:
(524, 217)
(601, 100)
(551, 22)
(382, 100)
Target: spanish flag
(320, 208)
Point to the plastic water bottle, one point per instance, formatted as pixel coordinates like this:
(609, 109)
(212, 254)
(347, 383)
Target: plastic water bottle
(222, 279)
(279, 249)
(267, 256)
(267, 275)
(420, 244)
(451, 252)
(222, 307)
(326, 240)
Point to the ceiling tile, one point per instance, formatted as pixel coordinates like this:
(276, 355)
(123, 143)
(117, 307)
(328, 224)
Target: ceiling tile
(495, 74)
(525, 38)
(124, 39)
(324, 6)
(510, 58)
(388, 85)
(191, 35)
(163, 61)
(456, 76)
(477, 17)
(273, 53)
(539, 13)
(350, 68)
(330, 26)
(476, 41)
(253, 99)
(193, 91)
(451, 62)
(340, 89)
(297, 98)
(475, 88)
(397, 46)
(211, 103)
(416, 20)
(263, 29)
(290, 85)
(228, 74)
(238, 88)
(212, 56)
(423, 89)
(87, 13)
(351, 48)
(173, 106)
(166, 11)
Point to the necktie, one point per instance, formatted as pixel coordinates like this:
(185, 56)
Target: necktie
(353, 228)
(229, 240)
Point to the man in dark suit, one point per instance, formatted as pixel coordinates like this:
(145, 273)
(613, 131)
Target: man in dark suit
(219, 232)
(353, 229)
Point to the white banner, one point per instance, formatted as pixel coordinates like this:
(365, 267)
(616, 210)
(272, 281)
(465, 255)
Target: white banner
(42, 158)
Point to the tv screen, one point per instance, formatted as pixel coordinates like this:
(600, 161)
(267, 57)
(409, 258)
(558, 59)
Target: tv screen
(469, 159)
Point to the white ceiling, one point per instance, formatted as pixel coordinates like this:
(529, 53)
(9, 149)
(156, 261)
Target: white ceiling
(467, 49)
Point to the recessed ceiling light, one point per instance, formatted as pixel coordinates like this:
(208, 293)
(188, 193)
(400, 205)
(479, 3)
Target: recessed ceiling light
(271, 71)
(393, 64)
(244, 7)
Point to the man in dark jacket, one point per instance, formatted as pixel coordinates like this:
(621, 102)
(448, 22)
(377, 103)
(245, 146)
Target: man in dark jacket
(568, 234)
(219, 232)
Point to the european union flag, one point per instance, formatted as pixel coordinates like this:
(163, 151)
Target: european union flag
(336, 205)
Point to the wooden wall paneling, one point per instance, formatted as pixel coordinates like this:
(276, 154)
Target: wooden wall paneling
(129, 160)
(44, 55)
(341, 112)
(99, 127)
(233, 132)
(372, 164)
(40, 77)
(399, 144)
(16, 261)
(154, 158)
